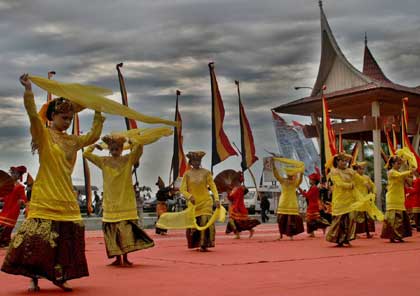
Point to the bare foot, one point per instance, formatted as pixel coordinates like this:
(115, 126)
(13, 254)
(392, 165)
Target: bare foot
(251, 233)
(33, 285)
(64, 286)
(311, 234)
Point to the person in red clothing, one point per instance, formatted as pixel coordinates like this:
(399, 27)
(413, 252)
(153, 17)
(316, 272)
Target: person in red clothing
(412, 202)
(313, 217)
(11, 207)
(238, 214)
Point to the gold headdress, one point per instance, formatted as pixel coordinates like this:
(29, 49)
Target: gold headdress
(195, 155)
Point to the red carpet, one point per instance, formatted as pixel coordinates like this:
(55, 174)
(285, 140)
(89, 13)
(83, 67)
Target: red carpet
(258, 266)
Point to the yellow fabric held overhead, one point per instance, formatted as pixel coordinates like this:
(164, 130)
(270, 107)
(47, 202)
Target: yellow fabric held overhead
(92, 97)
(292, 167)
(186, 219)
(142, 136)
(407, 155)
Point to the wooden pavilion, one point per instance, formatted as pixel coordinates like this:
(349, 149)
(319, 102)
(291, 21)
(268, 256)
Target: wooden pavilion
(366, 100)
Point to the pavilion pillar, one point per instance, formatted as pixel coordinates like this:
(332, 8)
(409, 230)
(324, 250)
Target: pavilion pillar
(377, 159)
(315, 122)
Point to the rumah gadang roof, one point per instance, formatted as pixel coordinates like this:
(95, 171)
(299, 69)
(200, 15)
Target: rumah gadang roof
(349, 92)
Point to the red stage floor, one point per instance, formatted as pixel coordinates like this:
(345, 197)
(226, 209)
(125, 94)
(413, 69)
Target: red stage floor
(258, 266)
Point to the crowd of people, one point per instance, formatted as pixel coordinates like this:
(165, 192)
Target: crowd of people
(50, 242)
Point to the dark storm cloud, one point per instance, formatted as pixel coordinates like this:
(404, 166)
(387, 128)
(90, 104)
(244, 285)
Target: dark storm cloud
(270, 46)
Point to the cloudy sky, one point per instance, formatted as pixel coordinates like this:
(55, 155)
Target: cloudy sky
(270, 46)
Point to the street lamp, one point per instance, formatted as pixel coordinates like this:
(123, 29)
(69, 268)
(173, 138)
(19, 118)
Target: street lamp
(299, 87)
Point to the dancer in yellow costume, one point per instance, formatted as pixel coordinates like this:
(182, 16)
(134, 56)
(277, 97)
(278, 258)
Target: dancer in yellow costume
(195, 188)
(343, 226)
(50, 243)
(289, 221)
(397, 223)
(122, 233)
(365, 185)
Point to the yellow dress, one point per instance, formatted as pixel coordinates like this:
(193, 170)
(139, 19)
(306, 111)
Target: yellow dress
(288, 203)
(342, 193)
(53, 196)
(119, 201)
(361, 182)
(196, 183)
(395, 195)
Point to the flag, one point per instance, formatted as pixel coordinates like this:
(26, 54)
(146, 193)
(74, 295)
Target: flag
(86, 171)
(394, 138)
(221, 147)
(247, 140)
(179, 162)
(284, 134)
(340, 141)
(130, 123)
(391, 147)
(328, 148)
(309, 146)
(384, 156)
(405, 141)
(355, 152)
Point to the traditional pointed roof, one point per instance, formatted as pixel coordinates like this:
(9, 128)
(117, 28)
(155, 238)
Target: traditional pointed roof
(335, 71)
(371, 67)
(350, 92)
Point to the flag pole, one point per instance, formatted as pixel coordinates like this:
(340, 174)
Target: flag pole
(239, 105)
(127, 122)
(49, 95)
(174, 171)
(211, 65)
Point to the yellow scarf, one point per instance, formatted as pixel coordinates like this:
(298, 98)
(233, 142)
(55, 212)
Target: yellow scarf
(92, 97)
(186, 219)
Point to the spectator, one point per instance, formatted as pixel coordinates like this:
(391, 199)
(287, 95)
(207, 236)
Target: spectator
(265, 207)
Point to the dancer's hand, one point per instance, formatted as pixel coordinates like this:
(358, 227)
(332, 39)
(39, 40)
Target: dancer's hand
(218, 204)
(24, 80)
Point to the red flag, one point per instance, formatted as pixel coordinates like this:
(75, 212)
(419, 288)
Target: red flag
(391, 147)
(179, 162)
(328, 132)
(405, 140)
(247, 140)
(130, 123)
(221, 147)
